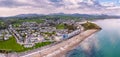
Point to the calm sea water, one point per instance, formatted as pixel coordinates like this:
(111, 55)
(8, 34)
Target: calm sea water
(105, 43)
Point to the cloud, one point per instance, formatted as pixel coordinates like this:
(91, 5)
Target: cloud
(11, 3)
(108, 4)
(14, 7)
(118, 1)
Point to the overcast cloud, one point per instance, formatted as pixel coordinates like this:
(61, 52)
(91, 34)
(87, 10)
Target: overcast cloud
(14, 7)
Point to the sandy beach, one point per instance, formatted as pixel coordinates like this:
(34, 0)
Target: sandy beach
(62, 48)
(77, 40)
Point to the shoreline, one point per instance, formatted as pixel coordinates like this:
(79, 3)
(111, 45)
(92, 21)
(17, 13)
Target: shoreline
(63, 47)
(63, 54)
(57, 49)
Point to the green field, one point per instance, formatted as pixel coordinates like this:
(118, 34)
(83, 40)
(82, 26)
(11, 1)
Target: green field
(60, 26)
(12, 45)
(2, 25)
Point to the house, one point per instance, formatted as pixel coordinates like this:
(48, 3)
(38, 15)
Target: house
(28, 45)
(57, 38)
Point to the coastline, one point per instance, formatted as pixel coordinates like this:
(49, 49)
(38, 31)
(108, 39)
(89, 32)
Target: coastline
(63, 54)
(63, 47)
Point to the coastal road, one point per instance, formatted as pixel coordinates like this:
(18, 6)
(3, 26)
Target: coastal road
(61, 48)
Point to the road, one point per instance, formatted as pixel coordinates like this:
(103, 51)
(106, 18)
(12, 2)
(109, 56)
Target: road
(56, 50)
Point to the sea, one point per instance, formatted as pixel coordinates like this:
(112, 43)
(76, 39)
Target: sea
(105, 43)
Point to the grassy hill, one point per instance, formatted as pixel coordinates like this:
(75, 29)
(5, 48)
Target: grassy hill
(89, 25)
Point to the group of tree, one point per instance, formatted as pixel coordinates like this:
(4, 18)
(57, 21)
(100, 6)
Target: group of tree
(89, 25)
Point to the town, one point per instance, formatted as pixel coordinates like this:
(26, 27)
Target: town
(59, 28)
(21, 37)
(30, 33)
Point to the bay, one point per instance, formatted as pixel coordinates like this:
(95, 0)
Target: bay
(105, 43)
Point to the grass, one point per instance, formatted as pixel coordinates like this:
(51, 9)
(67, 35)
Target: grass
(16, 25)
(37, 45)
(42, 44)
(60, 26)
(12, 45)
(89, 25)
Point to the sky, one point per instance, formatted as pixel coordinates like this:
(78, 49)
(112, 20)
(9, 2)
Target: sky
(15, 7)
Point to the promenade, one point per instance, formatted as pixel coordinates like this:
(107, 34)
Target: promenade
(60, 48)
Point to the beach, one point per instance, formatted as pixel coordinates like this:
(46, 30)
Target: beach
(63, 47)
